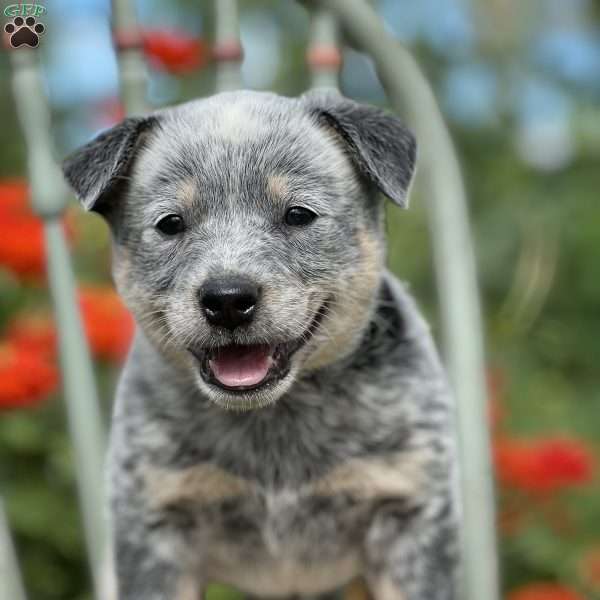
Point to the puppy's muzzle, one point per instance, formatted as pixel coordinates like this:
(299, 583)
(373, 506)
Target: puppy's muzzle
(229, 302)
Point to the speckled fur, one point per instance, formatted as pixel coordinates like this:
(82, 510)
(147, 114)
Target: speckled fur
(344, 468)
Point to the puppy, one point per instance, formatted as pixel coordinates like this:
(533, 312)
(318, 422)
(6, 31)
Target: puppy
(282, 424)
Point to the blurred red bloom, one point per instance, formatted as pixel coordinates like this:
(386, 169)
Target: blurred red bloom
(14, 193)
(544, 591)
(34, 333)
(26, 377)
(544, 465)
(22, 248)
(108, 324)
(174, 51)
(22, 240)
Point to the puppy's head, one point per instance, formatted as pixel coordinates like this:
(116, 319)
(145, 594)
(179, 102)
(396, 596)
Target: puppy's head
(247, 231)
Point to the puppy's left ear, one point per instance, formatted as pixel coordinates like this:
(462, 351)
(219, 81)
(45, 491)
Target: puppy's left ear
(97, 170)
(381, 147)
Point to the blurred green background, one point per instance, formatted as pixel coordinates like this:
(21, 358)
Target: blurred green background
(519, 83)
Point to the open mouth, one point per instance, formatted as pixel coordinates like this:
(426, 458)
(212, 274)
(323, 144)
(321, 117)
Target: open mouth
(242, 368)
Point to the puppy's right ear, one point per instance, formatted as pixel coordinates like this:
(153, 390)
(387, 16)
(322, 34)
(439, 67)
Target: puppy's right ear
(97, 170)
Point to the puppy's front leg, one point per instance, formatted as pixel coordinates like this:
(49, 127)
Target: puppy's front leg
(412, 552)
(155, 551)
(150, 566)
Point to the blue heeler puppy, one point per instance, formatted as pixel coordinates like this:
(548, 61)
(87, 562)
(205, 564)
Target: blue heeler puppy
(283, 422)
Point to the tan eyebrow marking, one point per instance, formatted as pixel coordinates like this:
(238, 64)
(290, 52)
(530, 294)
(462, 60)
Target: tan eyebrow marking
(278, 185)
(186, 191)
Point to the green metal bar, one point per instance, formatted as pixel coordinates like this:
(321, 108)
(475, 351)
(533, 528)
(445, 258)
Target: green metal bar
(48, 196)
(132, 65)
(442, 182)
(227, 50)
(11, 582)
(323, 55)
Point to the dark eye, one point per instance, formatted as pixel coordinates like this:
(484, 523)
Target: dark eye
(298, 216)
(170, 224)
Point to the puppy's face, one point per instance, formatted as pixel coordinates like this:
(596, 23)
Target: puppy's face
(246, 231)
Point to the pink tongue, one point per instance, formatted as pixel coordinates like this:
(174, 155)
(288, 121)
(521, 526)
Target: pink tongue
(237, 366)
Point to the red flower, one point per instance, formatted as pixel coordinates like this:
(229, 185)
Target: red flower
(26, 377)
(544, 465)
(543, 591)
(34, 333)
(108, 324)
(22, 240)
(22, 248)
(174, 51)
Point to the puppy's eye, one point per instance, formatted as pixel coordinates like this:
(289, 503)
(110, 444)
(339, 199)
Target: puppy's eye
(170, 224)
(298, 216)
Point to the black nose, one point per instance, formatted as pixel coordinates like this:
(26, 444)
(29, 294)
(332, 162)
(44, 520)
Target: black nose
(229, 302)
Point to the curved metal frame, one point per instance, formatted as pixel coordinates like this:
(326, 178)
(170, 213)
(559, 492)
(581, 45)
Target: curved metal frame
(227, 49)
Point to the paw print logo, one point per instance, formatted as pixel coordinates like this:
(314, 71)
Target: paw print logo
(24, 32)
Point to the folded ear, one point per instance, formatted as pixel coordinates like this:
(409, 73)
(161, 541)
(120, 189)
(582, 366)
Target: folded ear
(382, 148)
(96, 170)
